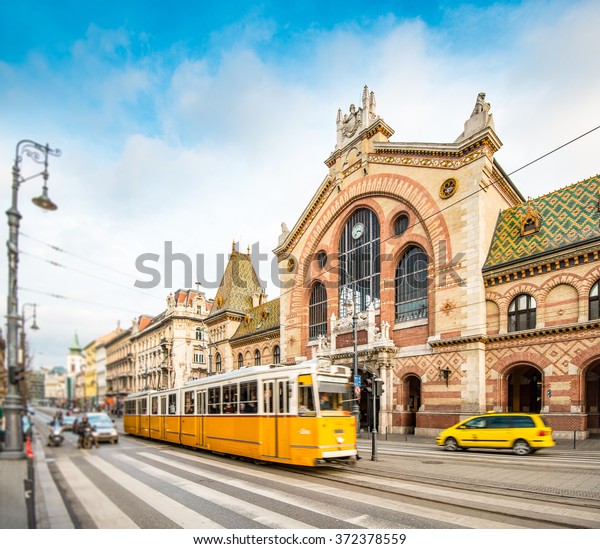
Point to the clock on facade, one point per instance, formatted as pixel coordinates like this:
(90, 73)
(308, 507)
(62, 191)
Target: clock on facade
(358, 230)
(448, 188)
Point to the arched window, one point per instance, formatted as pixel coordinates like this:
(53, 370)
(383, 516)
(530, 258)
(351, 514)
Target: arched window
(521, 313)
(400, 224)
(412, 285)
(594, 303)
(218, 362)
(317, 311)
(276, 354)
(199, 333)
(257, 357)
(240, 360)
(359, 263)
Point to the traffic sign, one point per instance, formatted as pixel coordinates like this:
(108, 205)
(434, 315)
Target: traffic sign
(357, 392)
(357, 381)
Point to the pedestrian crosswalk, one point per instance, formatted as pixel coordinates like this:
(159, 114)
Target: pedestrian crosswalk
(168, 487)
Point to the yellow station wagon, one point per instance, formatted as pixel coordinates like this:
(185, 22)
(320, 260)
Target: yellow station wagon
(524, 433)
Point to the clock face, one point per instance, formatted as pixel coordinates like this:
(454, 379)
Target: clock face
(358, 230)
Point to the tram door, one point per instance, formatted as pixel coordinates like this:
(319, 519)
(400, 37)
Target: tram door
(200, 416)
(275, 435)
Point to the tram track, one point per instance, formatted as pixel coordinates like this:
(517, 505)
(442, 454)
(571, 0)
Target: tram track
(509, 503)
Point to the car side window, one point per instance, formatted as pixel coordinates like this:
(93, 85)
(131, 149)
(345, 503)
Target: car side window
(523, 421)
(499, 422)
(476, 423)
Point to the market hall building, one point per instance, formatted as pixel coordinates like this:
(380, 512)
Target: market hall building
(466, 297)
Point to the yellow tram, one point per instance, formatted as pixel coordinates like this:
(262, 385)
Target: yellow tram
(298, 415)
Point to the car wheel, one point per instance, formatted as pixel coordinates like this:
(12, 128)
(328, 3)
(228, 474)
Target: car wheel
(451, 445)
(521, 448)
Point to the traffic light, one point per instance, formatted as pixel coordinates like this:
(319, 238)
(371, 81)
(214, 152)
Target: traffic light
(369, 385)
(17, 375)
(379, 387)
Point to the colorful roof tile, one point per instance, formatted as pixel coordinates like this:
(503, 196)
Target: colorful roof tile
(238, 285)
(259, 319)
(567, 217)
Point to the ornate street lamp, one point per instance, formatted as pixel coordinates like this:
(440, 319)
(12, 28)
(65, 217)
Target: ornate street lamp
(13, 443)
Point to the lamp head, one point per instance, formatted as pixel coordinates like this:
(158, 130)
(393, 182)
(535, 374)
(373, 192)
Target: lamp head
(43, 201)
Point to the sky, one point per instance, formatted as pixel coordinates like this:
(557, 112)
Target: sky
(186, 126)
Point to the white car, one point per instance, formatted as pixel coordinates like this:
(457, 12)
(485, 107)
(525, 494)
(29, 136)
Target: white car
(104, 427)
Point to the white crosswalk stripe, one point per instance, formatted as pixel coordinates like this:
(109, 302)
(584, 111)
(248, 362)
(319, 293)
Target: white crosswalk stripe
(175, 511)
(249, 510)
(105, 513)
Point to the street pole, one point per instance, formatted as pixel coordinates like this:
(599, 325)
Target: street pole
(355, 405)
(13, 443)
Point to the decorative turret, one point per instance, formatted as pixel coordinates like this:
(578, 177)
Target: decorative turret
(351, 124)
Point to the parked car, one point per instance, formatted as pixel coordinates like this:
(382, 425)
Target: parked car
(104, 427)
(523, 433)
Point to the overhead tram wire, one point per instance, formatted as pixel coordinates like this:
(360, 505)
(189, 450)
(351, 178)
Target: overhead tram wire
(60, 265)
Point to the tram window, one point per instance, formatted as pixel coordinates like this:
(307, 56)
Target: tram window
(230, 399)
(163, 406)
(143, 406)
(306, 401)
(154, 406)
(130, 407)
(248, 397)
(284, 396)
(214, 399)
(334, 396)
(172, 404)
(188, 402)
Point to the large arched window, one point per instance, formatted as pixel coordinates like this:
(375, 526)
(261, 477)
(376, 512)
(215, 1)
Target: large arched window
(412, 285)
(317, 311)
(594, 303)
(257, 357)
(276, 354)
(359, 263)
(521, 313)
(218, 362)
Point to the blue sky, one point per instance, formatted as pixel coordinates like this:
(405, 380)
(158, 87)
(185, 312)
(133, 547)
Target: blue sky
(198, 124)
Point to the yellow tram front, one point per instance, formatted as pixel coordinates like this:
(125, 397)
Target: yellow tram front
(298, 415)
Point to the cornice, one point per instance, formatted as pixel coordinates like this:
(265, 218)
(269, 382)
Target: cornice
(546, 262)
(271, 333)
(513, 336)
(225, 314)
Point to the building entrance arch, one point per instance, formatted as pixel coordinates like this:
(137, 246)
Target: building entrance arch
(524, 389)
(411, 392)
(592, 398)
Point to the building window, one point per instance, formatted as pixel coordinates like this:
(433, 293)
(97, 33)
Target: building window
(594, 304)
(276, 354)
(359, 263)
(257, 358)
(199, 334)
(198, 357)
(521, 313)
(321, 259)
(412, 285)
(240, 360)
(317, 311)
(218, 362)
(400, 224)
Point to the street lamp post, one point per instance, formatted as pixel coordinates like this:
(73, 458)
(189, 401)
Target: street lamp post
(355, 405)
(22, 359)
(13, 442)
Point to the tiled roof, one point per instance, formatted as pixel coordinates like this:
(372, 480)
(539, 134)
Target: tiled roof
(259, 319)
(237, 286)
(567, 217)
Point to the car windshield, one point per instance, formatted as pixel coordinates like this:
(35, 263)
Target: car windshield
(101, 422)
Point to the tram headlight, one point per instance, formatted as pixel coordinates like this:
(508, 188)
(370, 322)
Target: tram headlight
(340, 440)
